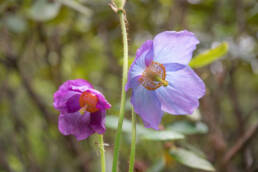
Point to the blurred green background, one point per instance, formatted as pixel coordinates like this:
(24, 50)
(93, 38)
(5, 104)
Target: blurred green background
(46, 42)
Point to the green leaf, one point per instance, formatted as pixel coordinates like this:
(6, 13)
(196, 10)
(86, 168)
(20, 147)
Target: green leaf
(76, 6)
(190, 159)
(209, 56)
(157, 166)
(188, 127)
(143, 133)
(162, 135)
(112, 121)
(16, 23)
(42, 10)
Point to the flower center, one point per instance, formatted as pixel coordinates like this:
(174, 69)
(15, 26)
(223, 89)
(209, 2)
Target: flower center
(154, 76)
(88, 102)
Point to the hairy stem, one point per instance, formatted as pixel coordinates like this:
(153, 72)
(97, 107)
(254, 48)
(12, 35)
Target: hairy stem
(102, 153)
(132, 154)
(123, 94)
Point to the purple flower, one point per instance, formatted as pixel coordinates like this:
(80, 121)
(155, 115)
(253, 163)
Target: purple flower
(161, 79)
(82, 109)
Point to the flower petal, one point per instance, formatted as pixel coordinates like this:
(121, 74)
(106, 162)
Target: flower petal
(97, 121)
(146, 46)
(144, 57)
(73, 103)
(102, 102)
(147, 105)
(134, 82)
(61, 98)
(175, 102)
(75, 124)
(67, 90)
(174, 47)
(185, 80)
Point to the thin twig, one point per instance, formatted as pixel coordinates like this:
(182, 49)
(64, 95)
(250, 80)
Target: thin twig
(240, 143)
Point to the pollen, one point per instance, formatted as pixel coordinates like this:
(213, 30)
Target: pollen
(88, 102)
(154, 76)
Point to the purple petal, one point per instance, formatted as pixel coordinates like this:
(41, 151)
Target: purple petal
(134, 82)
(67, 90)
(144, 57)
(97, 121)
(146, 46)
(75, 124)
(174, 101)
(147, 105)
(174, 47)
(73, 104)
(61, 98)
(102, 102)
(185, 80)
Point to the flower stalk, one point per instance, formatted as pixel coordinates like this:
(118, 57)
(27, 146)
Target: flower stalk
(102, 153)
(133, 141)
(122, 17)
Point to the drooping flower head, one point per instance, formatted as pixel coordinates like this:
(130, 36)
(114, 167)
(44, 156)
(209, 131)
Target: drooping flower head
(161, 79)
(82, 109)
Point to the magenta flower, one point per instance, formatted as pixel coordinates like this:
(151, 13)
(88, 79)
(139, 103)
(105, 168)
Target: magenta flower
(82, 109)
(161, 79)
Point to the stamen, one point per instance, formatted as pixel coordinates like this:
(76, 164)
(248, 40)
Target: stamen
(83, 110)
(88, 102)
(164, 82)
(154, 76)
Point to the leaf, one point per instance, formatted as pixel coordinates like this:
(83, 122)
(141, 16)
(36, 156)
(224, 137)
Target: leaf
(190, 159)
(157, 166)
(209, 56)
(162, 135)
(42, 10)
(112, 121)
(76, 6)
(143, 133)
(188, 127)
(16, 23)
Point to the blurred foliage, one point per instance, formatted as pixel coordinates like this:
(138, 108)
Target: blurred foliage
(45, 42)
(190, 159)
(209, 56)
(143, 133)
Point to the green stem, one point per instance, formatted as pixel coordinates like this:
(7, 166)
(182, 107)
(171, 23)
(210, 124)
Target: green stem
(132, 154)
(102, 153)
(123, 94)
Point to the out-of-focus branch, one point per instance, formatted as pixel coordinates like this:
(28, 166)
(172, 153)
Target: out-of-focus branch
(216, 136)
(4, 165)
(52, 44)
(11, 62)
(240, 143)
(239, 6)
(251, 112)
(178, 13)
(23, 152)
(233, 94)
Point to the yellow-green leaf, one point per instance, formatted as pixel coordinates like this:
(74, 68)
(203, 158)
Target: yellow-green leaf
(209, 56)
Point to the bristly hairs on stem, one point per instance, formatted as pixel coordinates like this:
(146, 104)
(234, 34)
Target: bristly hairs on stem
(118, 7)
(117, 10)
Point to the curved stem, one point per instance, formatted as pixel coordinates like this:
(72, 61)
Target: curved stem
(132, 154)
(123, 94)
(102, 153)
